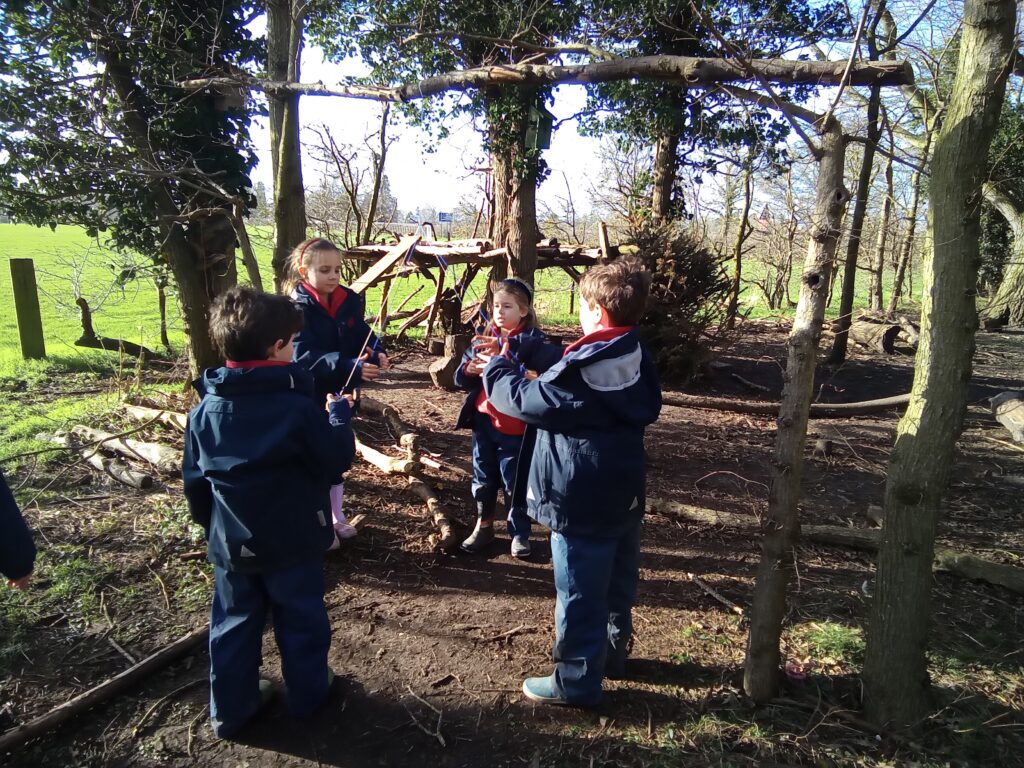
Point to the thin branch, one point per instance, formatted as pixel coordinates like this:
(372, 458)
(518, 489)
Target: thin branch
(849, 64)
(584, 48)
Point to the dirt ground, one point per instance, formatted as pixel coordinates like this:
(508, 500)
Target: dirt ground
(431, 648)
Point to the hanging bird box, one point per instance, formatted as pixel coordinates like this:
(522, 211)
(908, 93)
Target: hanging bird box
(538, 128)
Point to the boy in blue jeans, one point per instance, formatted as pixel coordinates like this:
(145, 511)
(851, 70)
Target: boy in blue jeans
(587, 479)
(259, 462)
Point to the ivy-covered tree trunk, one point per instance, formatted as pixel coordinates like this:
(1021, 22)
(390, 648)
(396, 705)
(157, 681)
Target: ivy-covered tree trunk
(664, 176)
(202, 258)
(781, 526)
(514, 173)
(665, 168)
(1007, 305)
(896, 683)
(284, 50)
(860, 207)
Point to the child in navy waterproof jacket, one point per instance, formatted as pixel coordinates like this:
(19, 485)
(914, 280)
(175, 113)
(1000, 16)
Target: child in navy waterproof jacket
(499, 449)
(335, 343)
(587, 478)
(17, 550)
(259, 462)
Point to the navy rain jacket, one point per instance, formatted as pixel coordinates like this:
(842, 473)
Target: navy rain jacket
(588, 475)
(329, 346)
(17, 550)
(472, 384)
(260, 459)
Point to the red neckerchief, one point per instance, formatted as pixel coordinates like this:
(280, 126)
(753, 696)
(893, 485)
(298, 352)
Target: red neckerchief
(250, 364)
(604, 334)
(337, 298)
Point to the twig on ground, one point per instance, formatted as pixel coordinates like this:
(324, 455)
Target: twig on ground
(171, 695)
(122, 651)
(708, 590)
(436, 733)
(522, 629)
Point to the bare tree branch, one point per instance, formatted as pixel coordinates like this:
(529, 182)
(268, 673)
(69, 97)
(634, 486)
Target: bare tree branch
(685, 70)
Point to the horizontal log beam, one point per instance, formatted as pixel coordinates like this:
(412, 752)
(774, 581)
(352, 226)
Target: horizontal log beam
(684, 70)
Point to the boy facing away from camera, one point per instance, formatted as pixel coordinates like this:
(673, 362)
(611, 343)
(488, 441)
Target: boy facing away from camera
(587, 483)
(259, 462)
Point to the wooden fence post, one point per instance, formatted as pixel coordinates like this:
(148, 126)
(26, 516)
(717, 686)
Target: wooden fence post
(26, 307)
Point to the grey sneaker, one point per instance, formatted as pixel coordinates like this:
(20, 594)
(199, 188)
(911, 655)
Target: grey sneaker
(266, 691)
(520, 547)
(478, 539)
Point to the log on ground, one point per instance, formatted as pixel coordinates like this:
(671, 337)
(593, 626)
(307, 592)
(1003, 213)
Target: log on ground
(1008, 409)
(114, 468)
(878, 337)
(761, 408)
(162, 457)
(947, 559)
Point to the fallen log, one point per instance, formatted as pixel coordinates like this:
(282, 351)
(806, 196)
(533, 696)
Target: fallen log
(386, 464)
(760, 408)
(170, 418)
(878, 337)
(1008, 409)
(90, 340)
(114, 468)
(446, 539)
(947, 559)
(404, 434)
(162, 457)
(106, 690)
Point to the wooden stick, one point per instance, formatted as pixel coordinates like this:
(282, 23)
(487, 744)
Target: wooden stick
(447, 538)
(405, 301)
(162, 457)
(602, 240)
(382, 316)
(387, 464)
(406, 436)
(442, 273)
(385, 263)
(170, 418)
(104, 691)
(709, 590)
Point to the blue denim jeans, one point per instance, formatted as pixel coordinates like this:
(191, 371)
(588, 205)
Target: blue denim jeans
(595, 583)
(294, 597)
(495, 460)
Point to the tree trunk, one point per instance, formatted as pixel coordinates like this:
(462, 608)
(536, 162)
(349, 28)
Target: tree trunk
(908, 243)
(896, 682)
(515, 184)
(284, 50)
(379, 159)
(197, 275)
(1007, 306)
(878, 264)
(741, 238)
(838, 353)
(664, 172)
(781, 525)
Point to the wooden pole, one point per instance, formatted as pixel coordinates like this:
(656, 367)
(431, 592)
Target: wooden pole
(84, 701)
(26, 307)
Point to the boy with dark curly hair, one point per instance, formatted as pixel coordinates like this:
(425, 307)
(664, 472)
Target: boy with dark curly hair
(259, 462)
